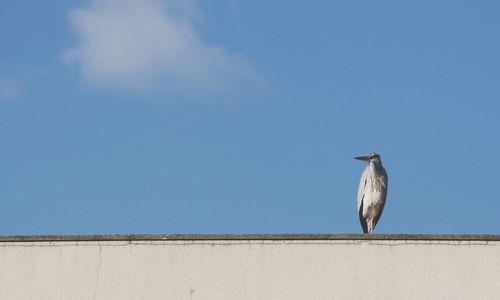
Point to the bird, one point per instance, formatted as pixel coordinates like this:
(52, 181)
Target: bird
(372, 192)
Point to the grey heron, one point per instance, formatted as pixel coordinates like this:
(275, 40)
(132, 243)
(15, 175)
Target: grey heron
(372, 192)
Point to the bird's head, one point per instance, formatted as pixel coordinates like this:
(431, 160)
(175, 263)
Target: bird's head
(371, 157)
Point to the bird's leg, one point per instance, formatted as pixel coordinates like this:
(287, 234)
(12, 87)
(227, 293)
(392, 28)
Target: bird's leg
(370, 225)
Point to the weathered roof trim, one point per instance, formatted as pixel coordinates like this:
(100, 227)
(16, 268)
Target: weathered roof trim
(240, 237)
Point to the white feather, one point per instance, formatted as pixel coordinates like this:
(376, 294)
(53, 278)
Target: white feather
(372, 190)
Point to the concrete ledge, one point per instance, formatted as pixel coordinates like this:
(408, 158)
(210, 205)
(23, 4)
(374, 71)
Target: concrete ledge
(250, 266)
(204, 237)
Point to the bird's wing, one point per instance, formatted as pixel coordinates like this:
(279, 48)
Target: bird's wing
(363, 183)
(382, 196)
(362, 219)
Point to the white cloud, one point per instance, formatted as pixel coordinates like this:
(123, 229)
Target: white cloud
(132, 44)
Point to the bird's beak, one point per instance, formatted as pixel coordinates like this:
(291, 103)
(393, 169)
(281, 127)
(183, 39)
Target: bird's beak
(364, 158)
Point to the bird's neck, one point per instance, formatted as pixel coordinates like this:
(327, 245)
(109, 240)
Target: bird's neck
(376, 165)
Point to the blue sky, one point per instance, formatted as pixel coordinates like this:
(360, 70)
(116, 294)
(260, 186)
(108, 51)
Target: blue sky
(232, 116)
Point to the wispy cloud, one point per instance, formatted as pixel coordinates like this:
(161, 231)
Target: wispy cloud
(10, 89)
(129, 44)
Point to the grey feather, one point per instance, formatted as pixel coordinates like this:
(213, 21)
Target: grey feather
(372, 192)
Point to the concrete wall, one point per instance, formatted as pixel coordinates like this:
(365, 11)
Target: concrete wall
(250, 269)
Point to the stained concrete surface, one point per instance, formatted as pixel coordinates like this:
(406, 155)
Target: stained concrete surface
(255, 267)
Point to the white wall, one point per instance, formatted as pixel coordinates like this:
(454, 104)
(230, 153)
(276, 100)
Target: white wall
(229, 269)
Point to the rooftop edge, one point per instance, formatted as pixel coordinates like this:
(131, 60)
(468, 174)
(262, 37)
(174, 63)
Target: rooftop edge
(239, 237)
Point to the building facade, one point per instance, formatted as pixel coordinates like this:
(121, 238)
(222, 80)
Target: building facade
(250, 267)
